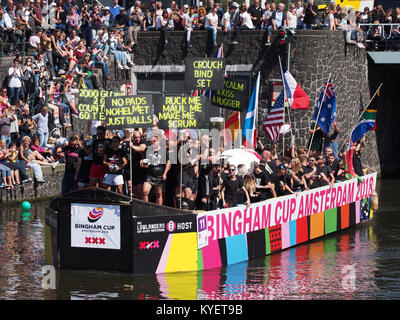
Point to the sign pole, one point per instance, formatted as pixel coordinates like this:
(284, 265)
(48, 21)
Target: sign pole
(130, 164)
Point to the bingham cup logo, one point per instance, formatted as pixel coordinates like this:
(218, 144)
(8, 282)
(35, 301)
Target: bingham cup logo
(95, 214)
(171, 226)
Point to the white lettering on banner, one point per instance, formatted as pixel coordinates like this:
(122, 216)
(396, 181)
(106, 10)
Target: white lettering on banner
(95, 226)
(238, 220)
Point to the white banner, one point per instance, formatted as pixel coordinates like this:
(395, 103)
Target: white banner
(95, 226)
(224, 223)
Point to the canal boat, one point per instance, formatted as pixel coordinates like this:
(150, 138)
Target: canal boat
(95, 229)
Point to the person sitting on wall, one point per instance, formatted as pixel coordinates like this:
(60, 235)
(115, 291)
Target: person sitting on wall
(278, 20)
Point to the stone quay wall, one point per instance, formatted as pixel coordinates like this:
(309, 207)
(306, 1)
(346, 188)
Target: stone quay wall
(313, 56)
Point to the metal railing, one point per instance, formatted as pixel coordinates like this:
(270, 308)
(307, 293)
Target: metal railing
(381, 37)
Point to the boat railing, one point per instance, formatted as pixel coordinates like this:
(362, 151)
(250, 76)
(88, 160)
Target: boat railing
(382, 36)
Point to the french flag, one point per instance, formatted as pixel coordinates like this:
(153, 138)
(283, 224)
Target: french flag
(296, 96)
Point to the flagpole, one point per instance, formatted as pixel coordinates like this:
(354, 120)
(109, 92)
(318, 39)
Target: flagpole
(319, 111)
(284, 105)
(256, 109)
(130, 164)
(359, 118)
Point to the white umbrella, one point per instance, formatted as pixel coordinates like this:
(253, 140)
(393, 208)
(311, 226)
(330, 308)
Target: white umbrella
(242, 156)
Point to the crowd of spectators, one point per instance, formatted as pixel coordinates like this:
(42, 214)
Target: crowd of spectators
(38, 99)
(56, 28)
(146, 164)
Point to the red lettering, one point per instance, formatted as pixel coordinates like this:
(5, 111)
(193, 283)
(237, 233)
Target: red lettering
(350, 193)
(210, 223)
(344, 199)
(292, 207)
(308, 204)
(321, 194)
(247, 220)
(256, 222)
(333, 198)
(327, 199)
(316, 204)
(338, 196)
(278, 205)
(237, 224)
(285, 211)
(266, 217)
(301, 208)
(226, 225)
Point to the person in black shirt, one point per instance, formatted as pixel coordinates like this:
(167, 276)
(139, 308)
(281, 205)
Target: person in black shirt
(325, 175)
(358, 150)
(230, 187)
(310, 14)
(85, 158)
(122, 19)
(25, 124)
(138, 173)
(264, 183)
(71, 152)
(284, 179)
(115, 161)
(297, 171)
(378, 14)
(256, 13)
(97, 170)
(333, 164)
(157, 164)
(311, 173)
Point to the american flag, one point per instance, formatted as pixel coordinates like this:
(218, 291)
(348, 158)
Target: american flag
(275, 119)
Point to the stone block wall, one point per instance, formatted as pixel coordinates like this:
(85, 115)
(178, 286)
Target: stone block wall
(313, 56)
(34, 191)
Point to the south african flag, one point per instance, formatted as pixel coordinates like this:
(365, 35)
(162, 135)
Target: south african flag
(366, 123)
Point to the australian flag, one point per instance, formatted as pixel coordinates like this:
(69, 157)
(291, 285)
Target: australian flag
(328, 107)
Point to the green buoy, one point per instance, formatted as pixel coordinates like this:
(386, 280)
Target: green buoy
(26, 206)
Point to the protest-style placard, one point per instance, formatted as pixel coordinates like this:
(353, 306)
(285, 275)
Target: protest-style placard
(182, 112)
(234, 95)
(128, 112)
(91, 103)
(204, 73)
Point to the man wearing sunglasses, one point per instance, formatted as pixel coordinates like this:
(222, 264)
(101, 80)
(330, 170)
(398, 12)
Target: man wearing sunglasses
(231, 187)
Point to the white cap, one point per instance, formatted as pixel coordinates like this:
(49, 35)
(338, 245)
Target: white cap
(235, 5)
(185, 6)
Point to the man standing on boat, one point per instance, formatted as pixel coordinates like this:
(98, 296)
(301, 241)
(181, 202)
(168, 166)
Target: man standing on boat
(230, 187)
(98, 171)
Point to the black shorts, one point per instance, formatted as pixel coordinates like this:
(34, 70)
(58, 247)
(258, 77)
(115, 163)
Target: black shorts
(154, 180)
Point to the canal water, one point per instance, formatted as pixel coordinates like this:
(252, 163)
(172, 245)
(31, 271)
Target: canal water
(358, 263)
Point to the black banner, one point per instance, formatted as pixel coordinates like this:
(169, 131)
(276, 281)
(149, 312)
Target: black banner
(150, 237)
(234, 95)
(129, 112)
(204, 73)
(183, 112)
(91, 103)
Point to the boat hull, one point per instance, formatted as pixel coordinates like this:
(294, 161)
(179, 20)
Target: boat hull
(144, 238)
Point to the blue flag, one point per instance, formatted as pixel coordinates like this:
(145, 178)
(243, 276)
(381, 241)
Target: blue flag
(328, 107)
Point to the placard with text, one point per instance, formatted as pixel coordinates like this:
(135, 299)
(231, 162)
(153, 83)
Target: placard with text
(204, 73)
(234, 95)
(91, 103)
(129, 112)
(182, 112)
